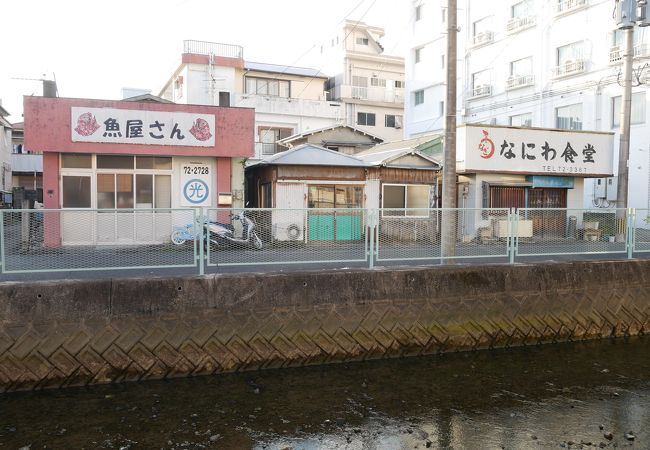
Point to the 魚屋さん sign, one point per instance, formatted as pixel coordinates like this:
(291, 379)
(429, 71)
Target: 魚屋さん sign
(534, 151)
(196, 184)
(126, 126)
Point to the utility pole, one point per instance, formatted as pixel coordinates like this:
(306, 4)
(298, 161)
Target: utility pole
(627, 14)
(449, 195)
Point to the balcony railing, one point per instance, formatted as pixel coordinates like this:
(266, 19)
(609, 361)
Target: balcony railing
(213, 48)
(376, 94)
(569, 68)
(640, 51)
(519, 81)
(482, 90)
(482, 38)
(267, 149)
(567, 6)
(517, 24)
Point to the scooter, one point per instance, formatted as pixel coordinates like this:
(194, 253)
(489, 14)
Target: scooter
(219, 233)
(222, 233)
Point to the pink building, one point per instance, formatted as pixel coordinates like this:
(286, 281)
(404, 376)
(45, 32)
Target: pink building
(132, 155)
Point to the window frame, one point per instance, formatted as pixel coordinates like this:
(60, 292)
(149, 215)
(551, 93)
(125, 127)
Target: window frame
(367, 116)
(418, 97)
(616, 121)
(557, 118)
(406, 207)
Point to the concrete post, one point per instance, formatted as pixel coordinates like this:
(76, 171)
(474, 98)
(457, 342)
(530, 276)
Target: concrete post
(624, 144)
(449, 200)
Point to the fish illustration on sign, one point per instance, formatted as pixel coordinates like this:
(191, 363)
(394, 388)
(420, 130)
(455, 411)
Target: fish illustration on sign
(86, 124)
(201, 130)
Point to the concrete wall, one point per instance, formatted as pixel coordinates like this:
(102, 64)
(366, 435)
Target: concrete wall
(65, 333)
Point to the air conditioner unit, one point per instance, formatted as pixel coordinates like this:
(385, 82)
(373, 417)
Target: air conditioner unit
(288, 232)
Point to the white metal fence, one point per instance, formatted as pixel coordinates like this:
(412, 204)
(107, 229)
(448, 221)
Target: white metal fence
(33, 241)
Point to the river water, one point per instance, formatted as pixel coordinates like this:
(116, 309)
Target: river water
(574, 395)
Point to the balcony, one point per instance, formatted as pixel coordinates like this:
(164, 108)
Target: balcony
(267, 149)
(213, 48)
(568, 6)
(569, 68)
(483, 90)
(288, 106)
(519, 81)
(483, 38)
(616, 53)
(373, 94)
(517, 24)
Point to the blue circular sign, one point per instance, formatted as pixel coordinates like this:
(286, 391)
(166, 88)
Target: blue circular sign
(196, 191)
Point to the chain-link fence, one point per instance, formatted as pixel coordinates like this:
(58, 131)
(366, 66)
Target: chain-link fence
(554, 231)
(641, 230)
(40, 240)
(82, 240)
(417, 234)
(286, 236)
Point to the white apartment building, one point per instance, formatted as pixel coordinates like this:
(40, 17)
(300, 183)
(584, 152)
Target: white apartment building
(539, 63)
(369, 84)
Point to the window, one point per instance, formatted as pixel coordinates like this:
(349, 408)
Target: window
(442, 61)
(444, 15)
(418, 12)
(418, 97)
(367, 119)
(399, 84)
(114, 191)
(481, 27)
(570, 53)
(377, 82)
(267, 86)
(76, 191)
(74, 161)
(114, 162)
(638, 109)
(359, 81)
(393, 121)
(569, 117)
(153, 163)
(335, 196)
(480, 79)
(618, 39)
(519, 10)
(400, 196)
(521, 67)
(362, 41)
(521, 120)
(418, 54)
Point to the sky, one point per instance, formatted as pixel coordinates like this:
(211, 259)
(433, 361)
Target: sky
(94, 49)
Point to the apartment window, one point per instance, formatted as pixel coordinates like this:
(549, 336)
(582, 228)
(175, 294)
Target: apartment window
(618, 38)
(480, 79)
(569, 117)
(377, 82)
(418, 12)
(418, 54)
(268, 86)
(441, 108)
(521, 67)
(362, 41)
(393, 121)
(442, 61)
(638, 109)
(367, 119)
(418, 97)
(519, 10)
(521, 120)
(481, 26)
(444, 15)
(399, 84)
(397, 197)
(570, 53)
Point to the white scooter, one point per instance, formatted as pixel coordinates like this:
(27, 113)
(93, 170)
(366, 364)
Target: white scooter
(222, 234)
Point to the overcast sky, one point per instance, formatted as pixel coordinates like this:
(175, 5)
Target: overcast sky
(94, 49)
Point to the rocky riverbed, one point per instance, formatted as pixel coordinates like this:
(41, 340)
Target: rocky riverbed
(576, 395)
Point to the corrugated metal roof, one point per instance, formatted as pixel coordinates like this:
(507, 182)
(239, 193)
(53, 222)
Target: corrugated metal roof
(311, 155)
(292, 138)
(26, 163)
(289, 70)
